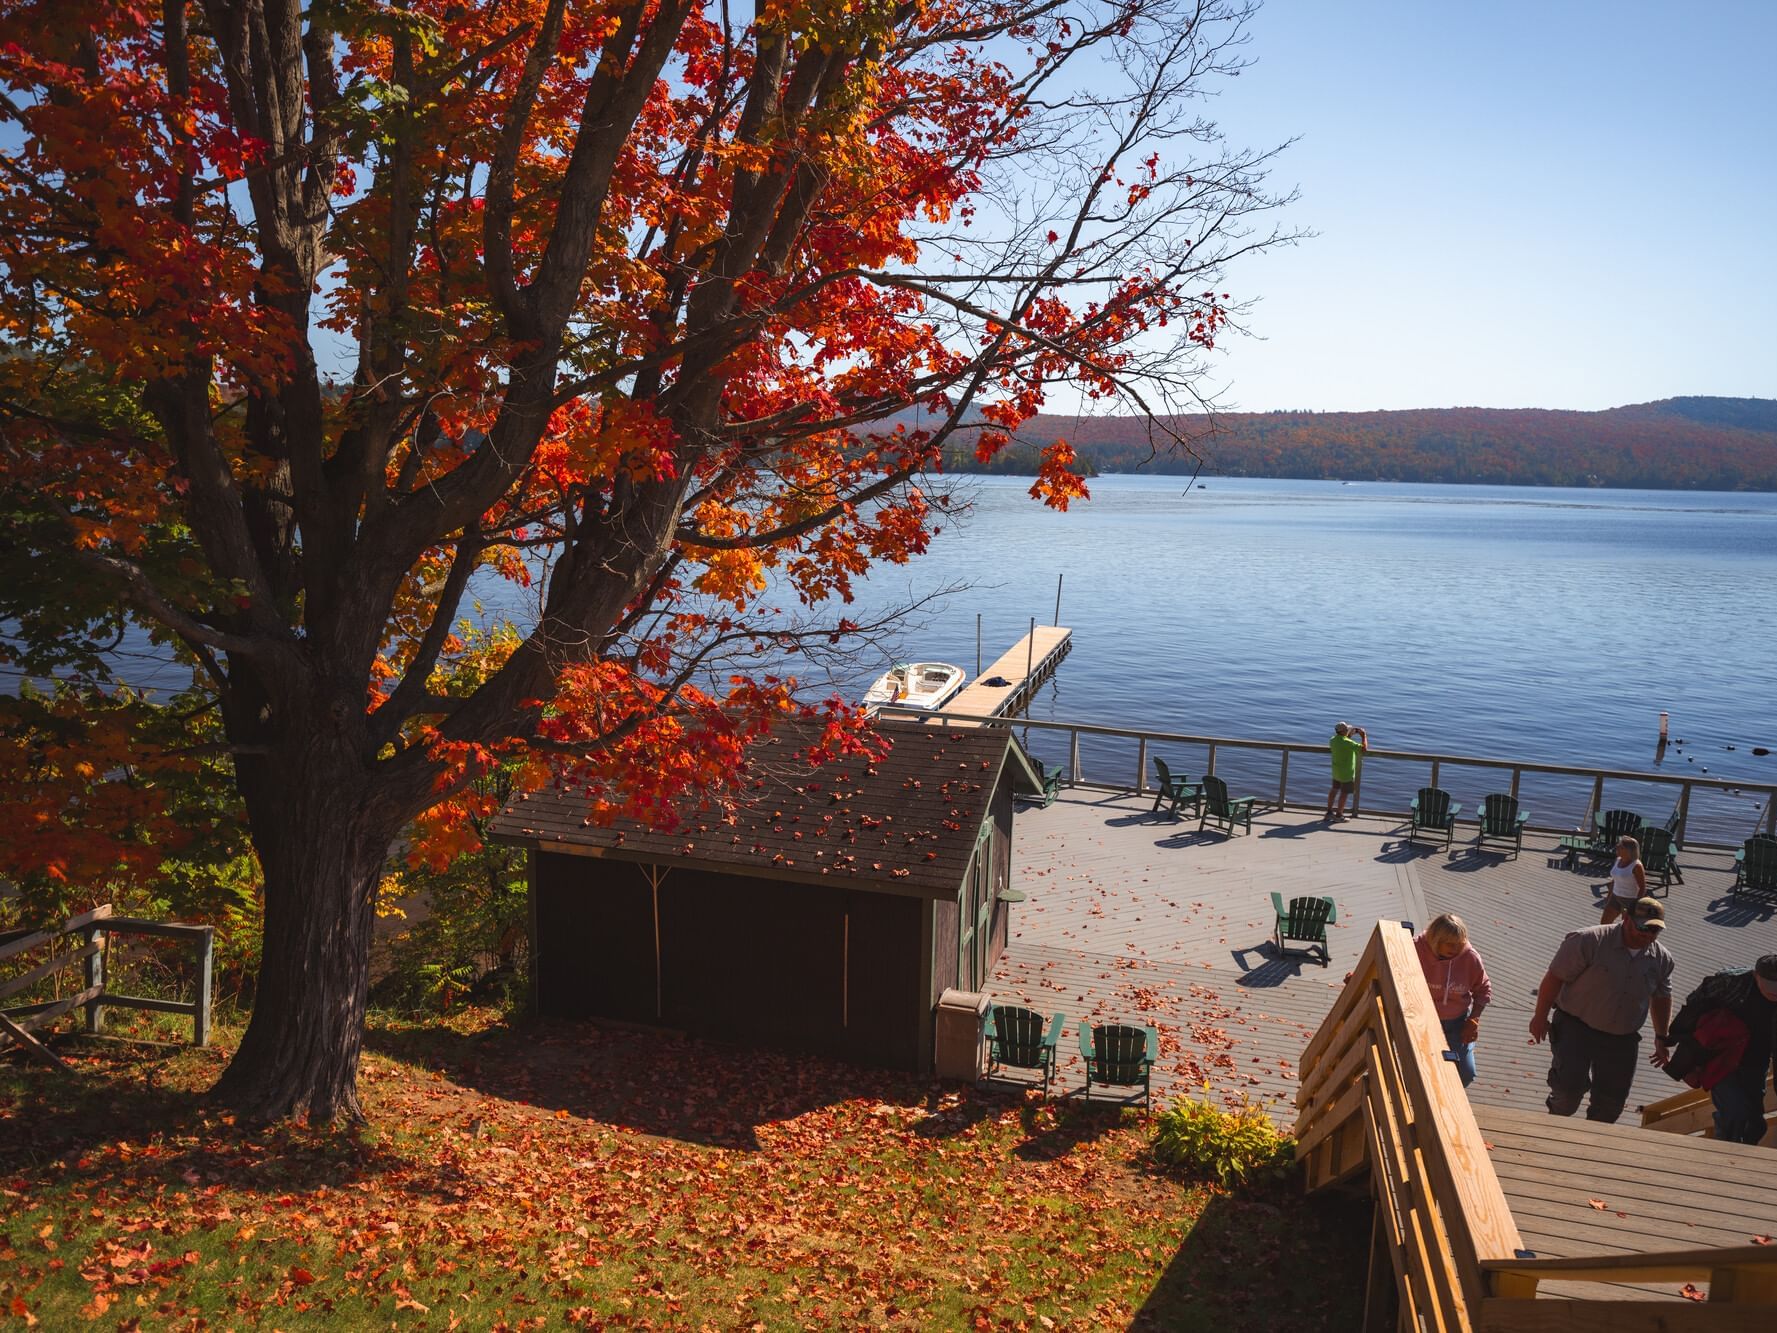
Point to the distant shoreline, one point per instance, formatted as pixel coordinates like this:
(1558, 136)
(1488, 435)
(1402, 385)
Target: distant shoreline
(1679, 444)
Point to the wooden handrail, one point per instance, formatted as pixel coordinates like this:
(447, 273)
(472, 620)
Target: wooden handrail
(1692, 1111)
(1377, 1093)
(1738, 1275)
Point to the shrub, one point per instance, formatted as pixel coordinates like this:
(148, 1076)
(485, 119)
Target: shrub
(1234, 1145)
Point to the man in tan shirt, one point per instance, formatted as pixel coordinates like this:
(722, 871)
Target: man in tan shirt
(1599, 990)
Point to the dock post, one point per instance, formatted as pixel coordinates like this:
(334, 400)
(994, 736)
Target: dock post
(1030, 651)
(1057, 622)
(977, 645)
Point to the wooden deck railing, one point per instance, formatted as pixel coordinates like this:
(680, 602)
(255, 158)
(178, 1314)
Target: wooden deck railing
(1135, 777)
(19, 1022)
(1378, 1099)
(1693, 1112)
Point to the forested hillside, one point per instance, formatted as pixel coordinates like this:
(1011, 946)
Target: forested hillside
(1689, 443)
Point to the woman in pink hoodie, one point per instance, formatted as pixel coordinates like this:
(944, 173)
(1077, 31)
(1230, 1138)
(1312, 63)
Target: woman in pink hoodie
(1459, 986)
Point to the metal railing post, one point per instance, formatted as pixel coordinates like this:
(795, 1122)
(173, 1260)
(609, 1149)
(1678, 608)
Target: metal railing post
(1283, 780)
(1073, 747)
(1141, 766)
(95, 976)
(200, 1018)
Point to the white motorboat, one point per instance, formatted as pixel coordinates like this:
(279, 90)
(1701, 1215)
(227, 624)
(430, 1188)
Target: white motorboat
(927, 685)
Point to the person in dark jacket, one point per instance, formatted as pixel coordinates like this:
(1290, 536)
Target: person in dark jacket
(1750, 997)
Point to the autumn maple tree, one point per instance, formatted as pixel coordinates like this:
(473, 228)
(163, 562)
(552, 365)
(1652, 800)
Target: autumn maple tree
(318, 317)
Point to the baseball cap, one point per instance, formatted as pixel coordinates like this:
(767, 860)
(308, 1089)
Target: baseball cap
(1647, 914)
(1766, 967)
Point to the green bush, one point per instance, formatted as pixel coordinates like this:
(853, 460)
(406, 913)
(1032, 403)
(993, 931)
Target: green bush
(1235, 1146)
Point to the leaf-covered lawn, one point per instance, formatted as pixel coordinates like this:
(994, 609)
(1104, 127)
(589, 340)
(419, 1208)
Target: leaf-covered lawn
(556, 1174)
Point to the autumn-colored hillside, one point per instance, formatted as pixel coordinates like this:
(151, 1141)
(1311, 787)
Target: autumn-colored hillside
(1678, 443)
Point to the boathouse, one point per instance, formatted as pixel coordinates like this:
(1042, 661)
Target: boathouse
(825, 911)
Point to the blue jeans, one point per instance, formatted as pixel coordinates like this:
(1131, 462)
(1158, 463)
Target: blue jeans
(1739, 1110)
(1465, 1051)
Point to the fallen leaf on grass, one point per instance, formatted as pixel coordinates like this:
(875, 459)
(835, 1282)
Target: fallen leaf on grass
(22, 1311)
(301, 1276)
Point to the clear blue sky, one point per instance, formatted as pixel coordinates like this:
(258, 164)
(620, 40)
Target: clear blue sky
(1567, 205)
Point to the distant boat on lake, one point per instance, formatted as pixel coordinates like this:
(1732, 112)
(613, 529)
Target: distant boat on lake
(926, 685)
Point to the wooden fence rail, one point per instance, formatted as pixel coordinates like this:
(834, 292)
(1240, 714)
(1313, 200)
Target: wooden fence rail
(1692, 1112)
(1510, 771)
(20, 1022)
(1378, 1099)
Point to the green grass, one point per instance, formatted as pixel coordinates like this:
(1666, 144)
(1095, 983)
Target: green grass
(559, 1174)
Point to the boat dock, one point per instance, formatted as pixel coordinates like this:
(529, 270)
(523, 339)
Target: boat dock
(1024, 666)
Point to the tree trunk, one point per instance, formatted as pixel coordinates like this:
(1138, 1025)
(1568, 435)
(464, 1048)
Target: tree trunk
(322, 849)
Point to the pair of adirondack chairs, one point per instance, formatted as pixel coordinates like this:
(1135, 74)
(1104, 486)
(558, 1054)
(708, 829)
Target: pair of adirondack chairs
(1658, 843)
(1209, 798)
(1115, 1054)
(1500, 818)
(1306, 921)
(1755, 869)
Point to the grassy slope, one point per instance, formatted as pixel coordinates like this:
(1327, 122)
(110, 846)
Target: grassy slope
(539, 1176)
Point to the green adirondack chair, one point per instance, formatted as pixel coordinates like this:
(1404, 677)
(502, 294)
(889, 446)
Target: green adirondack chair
(1658, 857)
(1118, 1055)
(1307, 920)
(1226, 812)
(1502, 820)
(1020, 1038)
(1611, 825)
(1755, 869)
(1178, 789)
(1432, 811)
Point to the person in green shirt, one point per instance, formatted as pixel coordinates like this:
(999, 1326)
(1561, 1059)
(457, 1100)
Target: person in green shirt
(1345, 752)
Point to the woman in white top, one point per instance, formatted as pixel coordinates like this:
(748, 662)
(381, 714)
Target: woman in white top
(1628, 881)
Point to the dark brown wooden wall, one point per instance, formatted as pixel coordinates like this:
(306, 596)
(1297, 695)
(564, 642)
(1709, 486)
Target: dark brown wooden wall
(741, 958)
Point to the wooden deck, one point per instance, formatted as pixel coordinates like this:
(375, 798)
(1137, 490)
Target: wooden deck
(1136, 916)
(1024, 666)
(1660, 1191)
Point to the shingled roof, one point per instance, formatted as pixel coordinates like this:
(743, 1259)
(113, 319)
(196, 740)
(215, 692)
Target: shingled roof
(907, 822)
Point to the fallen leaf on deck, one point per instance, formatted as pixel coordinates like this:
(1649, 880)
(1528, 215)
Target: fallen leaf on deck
(1599, 1204)
(1761, 1240)
(1690, 1293)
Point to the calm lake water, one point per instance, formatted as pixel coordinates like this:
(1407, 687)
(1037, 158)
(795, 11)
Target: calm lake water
(1520, 623)
(1507, 623)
